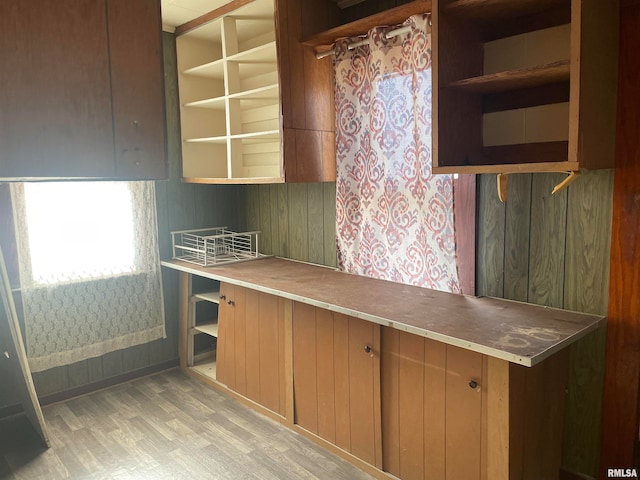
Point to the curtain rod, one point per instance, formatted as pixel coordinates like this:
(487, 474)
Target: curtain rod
(365, 41)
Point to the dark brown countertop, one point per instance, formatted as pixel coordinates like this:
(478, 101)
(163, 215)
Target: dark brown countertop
(518, 332)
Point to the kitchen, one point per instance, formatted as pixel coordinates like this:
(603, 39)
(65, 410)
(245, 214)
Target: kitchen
(297, 221)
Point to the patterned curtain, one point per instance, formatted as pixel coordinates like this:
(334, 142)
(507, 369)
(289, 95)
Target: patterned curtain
(86, 290)
(394, 218)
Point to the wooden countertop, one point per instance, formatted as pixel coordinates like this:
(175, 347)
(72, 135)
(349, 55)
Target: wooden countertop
(514, 331)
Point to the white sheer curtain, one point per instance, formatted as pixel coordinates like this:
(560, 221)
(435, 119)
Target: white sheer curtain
(394, 219)
(89, 268)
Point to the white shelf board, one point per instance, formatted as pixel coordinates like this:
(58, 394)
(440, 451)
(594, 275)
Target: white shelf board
(206, 366)
(267, 92)
(256, 54)
(213, 69)
(257, 137)
(216, 103)
(208, 328)
(213, 296)
(221, 139)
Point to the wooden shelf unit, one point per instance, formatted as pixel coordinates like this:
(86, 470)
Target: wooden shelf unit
(524, 85)
(230, 99)
(201, 355)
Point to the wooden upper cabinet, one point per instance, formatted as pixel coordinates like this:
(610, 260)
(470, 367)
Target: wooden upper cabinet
(524, 85)
(70, 71)
(137, 88)
(256, 106)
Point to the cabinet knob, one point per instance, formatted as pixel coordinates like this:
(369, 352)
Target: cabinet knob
(369, 350)
(223, 297)
(473, 384)
(230, 302)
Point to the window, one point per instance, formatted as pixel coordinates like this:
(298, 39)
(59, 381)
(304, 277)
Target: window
(89, 268)
(79, 230)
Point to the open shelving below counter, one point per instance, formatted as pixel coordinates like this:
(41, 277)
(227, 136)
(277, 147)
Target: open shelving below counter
(208, 328)
(205, 364)
(520, 333)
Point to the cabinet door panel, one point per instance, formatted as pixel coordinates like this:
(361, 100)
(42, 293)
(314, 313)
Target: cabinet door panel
(362, 389)
(135, 47)
(225, 368)
(240, 338)
(252, 358)
(55, 100)
(305, 366)
(463, 413)
(413, 405)
(336, 381)
(270, 376)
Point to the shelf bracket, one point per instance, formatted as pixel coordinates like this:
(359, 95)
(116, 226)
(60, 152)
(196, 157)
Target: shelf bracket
(566, 182)
(502, 187)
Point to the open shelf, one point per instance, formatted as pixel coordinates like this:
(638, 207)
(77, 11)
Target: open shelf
(205, 364)
(213, 296)
(208, 328)
(498, 9)
(523, 85)
(238, 85)
(535, 76)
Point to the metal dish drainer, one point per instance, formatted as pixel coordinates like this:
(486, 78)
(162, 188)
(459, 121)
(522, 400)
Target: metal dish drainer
(214, 246)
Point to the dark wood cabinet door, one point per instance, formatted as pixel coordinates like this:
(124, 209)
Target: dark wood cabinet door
(55, 93)
(137, 88)
(81, 90)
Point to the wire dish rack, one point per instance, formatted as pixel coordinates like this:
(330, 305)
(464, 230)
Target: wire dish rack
(214, 246)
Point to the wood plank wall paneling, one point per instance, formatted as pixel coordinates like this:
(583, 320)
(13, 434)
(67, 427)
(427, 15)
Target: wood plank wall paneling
(368, 7)
(296, 220)
(554, 250)
(180, 206)
(621, 410)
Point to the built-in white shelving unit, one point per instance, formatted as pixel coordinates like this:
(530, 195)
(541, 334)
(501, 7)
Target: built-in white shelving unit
(230, 98)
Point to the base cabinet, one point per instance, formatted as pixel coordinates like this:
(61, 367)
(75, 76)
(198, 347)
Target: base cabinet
(452, 413)
(251, 346)
(389, 401)
(336, 377)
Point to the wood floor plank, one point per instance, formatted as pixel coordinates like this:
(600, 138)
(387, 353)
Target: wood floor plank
(167, 426)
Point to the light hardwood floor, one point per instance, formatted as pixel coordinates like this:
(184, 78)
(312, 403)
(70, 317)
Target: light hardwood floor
(166, 426)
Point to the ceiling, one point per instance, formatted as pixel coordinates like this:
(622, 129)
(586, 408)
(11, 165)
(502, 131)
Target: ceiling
(177, 12)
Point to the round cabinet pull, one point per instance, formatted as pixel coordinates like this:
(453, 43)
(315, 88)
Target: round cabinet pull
(473, 384)
(223, 297)
(230, 302)
(367, 348)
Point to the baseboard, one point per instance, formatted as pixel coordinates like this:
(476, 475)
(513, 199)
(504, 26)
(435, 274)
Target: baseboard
(107, 382)
(11, 410)
(569, 475)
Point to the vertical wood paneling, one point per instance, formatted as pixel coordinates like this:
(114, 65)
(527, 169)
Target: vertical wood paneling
(283, 220)
(361, 389)
(517, 229)
(556, 251)
(315, 221)
(275, 224)
(412, 401)
(390, 380)
(343, 399)
(463, 414)
(547, 237)
(329, 212)
(298, 227)
(325, 375)
(270, 377)
(240, 333)
(266, 237)
(305, 366)
(252, 345)
(435, 355)
(586, 274)
(490, 238)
